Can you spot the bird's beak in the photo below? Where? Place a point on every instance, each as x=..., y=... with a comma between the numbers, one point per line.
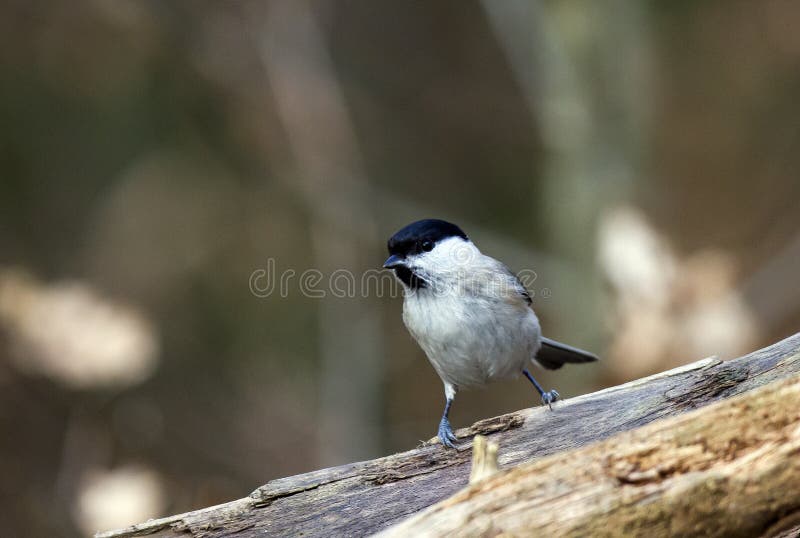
x=393, y=261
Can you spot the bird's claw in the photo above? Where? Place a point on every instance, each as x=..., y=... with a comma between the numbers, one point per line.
x=549, y=397
x=446, y=435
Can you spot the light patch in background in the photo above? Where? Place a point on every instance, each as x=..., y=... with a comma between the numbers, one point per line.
x=118, y=498
x=668, y=309
x=70, y=333
x=635, y=258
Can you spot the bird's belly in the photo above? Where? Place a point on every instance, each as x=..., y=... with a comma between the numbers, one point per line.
x=470, y=343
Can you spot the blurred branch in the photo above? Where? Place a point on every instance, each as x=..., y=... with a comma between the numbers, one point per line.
x=366, y=497
x=312, y=109
x=582, y=72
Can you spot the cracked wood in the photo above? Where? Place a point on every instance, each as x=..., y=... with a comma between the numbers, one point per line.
x=727, y=470
x=366, y=497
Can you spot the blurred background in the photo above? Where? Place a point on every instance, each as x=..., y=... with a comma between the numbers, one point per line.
x=162, y=160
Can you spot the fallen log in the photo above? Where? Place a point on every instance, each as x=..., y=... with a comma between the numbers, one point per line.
x=730, y=469
x=367, y=497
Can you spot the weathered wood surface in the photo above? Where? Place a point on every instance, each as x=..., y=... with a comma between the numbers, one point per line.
x=366, y=497
x=731, y=469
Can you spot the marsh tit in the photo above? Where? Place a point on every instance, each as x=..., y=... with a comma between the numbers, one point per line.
x=469, y=313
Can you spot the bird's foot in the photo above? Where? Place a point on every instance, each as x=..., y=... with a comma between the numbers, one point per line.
x=446, y=435
x=549, y=397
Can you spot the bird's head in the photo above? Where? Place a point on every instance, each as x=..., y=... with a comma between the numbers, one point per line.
x=427, y=250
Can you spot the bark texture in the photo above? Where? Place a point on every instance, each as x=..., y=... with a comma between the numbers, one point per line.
x=730, y=469
x=366, y=497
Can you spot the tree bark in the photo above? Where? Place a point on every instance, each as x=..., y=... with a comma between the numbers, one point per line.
x=730, y=469
x=736, y=465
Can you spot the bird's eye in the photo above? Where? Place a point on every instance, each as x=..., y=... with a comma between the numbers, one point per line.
x=427, y=246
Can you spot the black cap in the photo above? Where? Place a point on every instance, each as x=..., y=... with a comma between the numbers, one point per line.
x=410, y=239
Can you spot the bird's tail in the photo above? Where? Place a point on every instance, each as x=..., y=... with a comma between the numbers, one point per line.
x=553, y=355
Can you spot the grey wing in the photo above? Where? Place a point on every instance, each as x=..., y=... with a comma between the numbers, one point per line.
x=552, y=354
x=517, y=285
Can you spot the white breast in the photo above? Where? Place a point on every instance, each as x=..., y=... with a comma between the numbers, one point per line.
x=471, y=338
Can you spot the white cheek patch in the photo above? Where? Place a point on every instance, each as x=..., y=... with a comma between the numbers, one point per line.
x=450, y=255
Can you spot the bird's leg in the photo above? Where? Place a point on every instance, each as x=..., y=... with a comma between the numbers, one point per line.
x=547, y=397
x=446, y=435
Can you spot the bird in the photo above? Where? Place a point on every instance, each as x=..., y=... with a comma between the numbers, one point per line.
x=470, y=314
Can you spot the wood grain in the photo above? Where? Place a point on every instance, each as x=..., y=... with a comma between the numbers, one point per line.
x=366, y=497
x=731, y=469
